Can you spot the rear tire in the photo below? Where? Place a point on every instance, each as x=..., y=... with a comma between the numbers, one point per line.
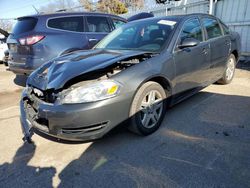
x=229, y=71
x=148, y=109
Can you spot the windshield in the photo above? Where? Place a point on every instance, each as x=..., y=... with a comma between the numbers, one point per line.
x=144, y=35
x=24, y=25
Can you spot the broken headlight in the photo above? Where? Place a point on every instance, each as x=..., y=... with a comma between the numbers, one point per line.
x=91, y=92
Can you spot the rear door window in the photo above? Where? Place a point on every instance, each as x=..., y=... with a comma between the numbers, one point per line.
x=212, y=27
x=98, y=24
x=24, y=25
x=74, y=23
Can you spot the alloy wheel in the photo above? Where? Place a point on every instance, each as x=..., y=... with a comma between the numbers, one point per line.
x=230, y=69
x=151, y=109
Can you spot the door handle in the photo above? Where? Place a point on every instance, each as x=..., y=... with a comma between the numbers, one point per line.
x=227, y=42
x=93, y=40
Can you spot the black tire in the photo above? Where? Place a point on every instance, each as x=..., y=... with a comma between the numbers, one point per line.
x=6, y=63
x=226, y=79
x=136, y=114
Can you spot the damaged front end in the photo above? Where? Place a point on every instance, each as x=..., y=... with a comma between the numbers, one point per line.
x=65, y=98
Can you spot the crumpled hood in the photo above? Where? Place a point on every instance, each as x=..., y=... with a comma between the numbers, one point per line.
x=57, y=72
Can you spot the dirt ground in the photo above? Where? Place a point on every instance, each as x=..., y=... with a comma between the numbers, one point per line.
x=203, y=142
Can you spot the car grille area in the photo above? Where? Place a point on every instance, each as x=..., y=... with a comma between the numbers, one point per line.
x=46, y=96
x=40, y=121
x=31, y=111
x=86, y=129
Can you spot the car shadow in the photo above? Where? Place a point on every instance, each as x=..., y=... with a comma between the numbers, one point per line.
x=19, y=174
x=203, y=142
x=20, y=80
x=244, y=65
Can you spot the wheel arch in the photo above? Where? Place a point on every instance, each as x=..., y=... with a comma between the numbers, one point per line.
x=236, y=54
x=160, y=79
x=164, y=82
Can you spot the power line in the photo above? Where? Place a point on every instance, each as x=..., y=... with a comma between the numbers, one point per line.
x=28, y=5
x=64, y=10
x=18, y=8
x=7, y=18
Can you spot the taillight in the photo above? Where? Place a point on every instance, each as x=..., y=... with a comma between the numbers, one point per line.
x=30, y=40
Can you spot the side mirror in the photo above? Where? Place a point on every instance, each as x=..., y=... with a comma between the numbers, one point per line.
x=188, y=42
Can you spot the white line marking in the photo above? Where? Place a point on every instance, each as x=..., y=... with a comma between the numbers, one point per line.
x=9, y=108
x=183, y=161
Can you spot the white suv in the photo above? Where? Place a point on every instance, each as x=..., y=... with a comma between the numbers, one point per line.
x=3, y=48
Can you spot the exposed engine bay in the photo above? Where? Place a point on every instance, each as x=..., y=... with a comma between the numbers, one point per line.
x=50, y=95
x=107, y=72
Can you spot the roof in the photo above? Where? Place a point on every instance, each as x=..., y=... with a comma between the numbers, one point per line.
x=179, y=17
x=70, y=13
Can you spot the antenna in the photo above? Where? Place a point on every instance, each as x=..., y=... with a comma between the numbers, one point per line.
x=36, y=9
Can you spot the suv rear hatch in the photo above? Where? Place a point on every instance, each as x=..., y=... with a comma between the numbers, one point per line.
x=17, y=40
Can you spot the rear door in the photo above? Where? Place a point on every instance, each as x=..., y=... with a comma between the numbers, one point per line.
x=97, y=27
x=220, y=46
x=192, y=64
x=65, y=34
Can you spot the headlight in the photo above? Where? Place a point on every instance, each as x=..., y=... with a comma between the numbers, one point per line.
x=91, y=92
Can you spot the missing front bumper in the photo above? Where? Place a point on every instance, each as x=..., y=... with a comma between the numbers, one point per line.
x=78, y=122
x=26, y=125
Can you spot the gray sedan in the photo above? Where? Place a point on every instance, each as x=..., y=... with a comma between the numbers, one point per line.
x=131, y=76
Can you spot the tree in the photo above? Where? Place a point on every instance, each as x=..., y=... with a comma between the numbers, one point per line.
x=112, y=6
x=107, y=6
x=57, y=6
x=134, y=3
x=6, y=25
x=87, y=5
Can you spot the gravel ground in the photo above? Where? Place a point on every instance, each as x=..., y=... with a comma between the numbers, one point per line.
x=203, y=142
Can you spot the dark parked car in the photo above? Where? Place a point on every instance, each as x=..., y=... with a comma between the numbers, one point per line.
x=6, y=57
x=37, y=39
x=139, y=16
x=132, y=74
x=3, y=46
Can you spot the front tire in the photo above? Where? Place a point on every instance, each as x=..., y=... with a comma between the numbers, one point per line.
x=148, y=108
x=229, y=71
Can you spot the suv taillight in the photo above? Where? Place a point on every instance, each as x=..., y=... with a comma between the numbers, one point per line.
x=30, y=40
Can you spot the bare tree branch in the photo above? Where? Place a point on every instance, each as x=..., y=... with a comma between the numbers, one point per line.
x=6, y=25
x=57, y=6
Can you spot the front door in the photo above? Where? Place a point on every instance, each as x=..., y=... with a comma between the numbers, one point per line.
x=193, y=63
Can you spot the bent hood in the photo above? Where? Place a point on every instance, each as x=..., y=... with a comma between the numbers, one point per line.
x=55, y=74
